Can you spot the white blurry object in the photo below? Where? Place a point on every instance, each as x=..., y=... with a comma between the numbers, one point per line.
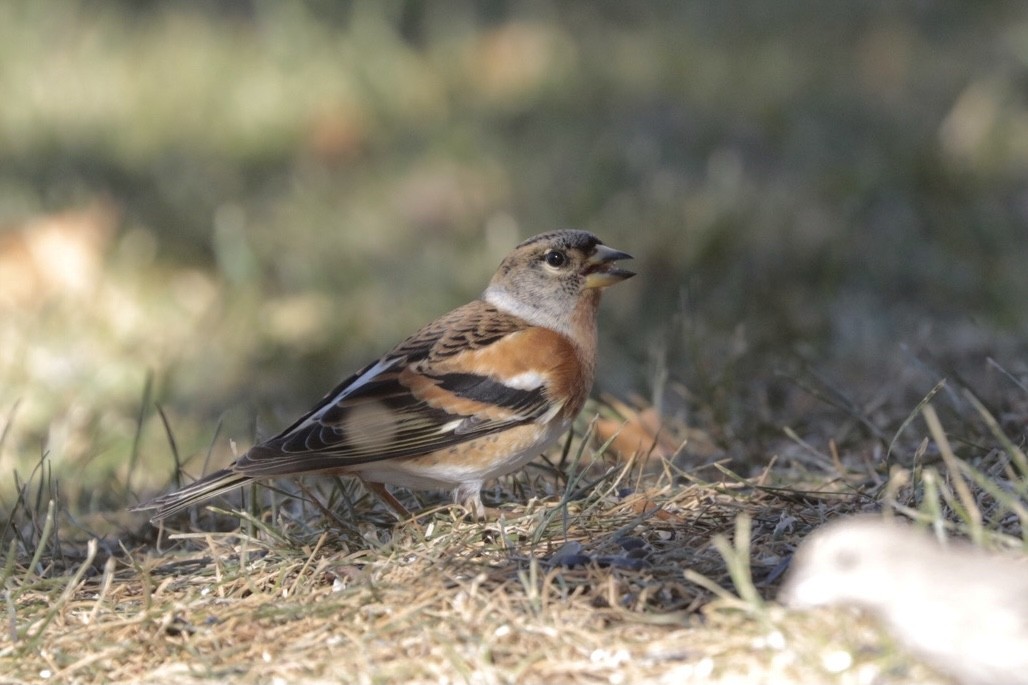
x=961, y=609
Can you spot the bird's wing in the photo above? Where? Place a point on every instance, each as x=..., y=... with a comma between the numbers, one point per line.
x=474, y=372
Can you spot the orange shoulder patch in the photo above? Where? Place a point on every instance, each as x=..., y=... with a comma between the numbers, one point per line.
x=526, y=359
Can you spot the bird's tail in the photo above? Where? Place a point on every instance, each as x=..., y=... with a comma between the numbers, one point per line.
x=209, y=486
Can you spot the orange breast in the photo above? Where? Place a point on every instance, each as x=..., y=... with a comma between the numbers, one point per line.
x=531, y=351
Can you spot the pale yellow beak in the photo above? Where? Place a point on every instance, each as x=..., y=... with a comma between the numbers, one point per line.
x=601, y=270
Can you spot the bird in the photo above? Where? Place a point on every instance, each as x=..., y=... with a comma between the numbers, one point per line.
x=961, y=609
x=471, y=396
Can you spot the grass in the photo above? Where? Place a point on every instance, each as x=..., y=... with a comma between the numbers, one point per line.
x=208, y=216
x=643, y=576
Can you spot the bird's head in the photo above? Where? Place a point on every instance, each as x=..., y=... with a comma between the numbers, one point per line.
x=551, y=273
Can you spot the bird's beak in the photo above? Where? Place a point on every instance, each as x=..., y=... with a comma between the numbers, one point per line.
x=601, y=271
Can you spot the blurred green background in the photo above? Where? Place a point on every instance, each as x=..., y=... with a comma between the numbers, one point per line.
x=242, y=201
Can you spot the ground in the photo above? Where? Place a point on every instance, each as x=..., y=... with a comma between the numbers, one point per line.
x=208, y=216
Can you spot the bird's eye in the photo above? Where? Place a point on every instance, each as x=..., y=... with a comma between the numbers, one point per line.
x=555, y=259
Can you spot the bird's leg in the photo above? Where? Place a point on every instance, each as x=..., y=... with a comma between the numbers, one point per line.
x=379, y=490
x=469, y=496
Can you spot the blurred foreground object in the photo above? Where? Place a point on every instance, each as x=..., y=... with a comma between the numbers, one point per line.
x=963, y=610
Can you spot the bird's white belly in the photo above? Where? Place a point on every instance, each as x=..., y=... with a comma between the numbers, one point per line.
x=475, y=461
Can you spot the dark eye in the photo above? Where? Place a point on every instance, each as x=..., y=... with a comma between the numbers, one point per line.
x=846, y=560
x=555, y=259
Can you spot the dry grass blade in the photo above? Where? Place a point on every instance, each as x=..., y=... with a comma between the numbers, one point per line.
x=307, y=564
x=12, y=616
x=1009, y=376
x=820, y=459
x=138, y=434
x=715, y=589
x=9, y=561
x=968, y=507
x=172, y=443
x=41, y=543
x=105, y=588
x=9, y=422
x=1015, y=452
x=933, y=502
x=737, y=558
x=1005, y=500
x=36, y=636
x=913, y=415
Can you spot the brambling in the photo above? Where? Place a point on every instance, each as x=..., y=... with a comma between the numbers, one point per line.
x=473, y=395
